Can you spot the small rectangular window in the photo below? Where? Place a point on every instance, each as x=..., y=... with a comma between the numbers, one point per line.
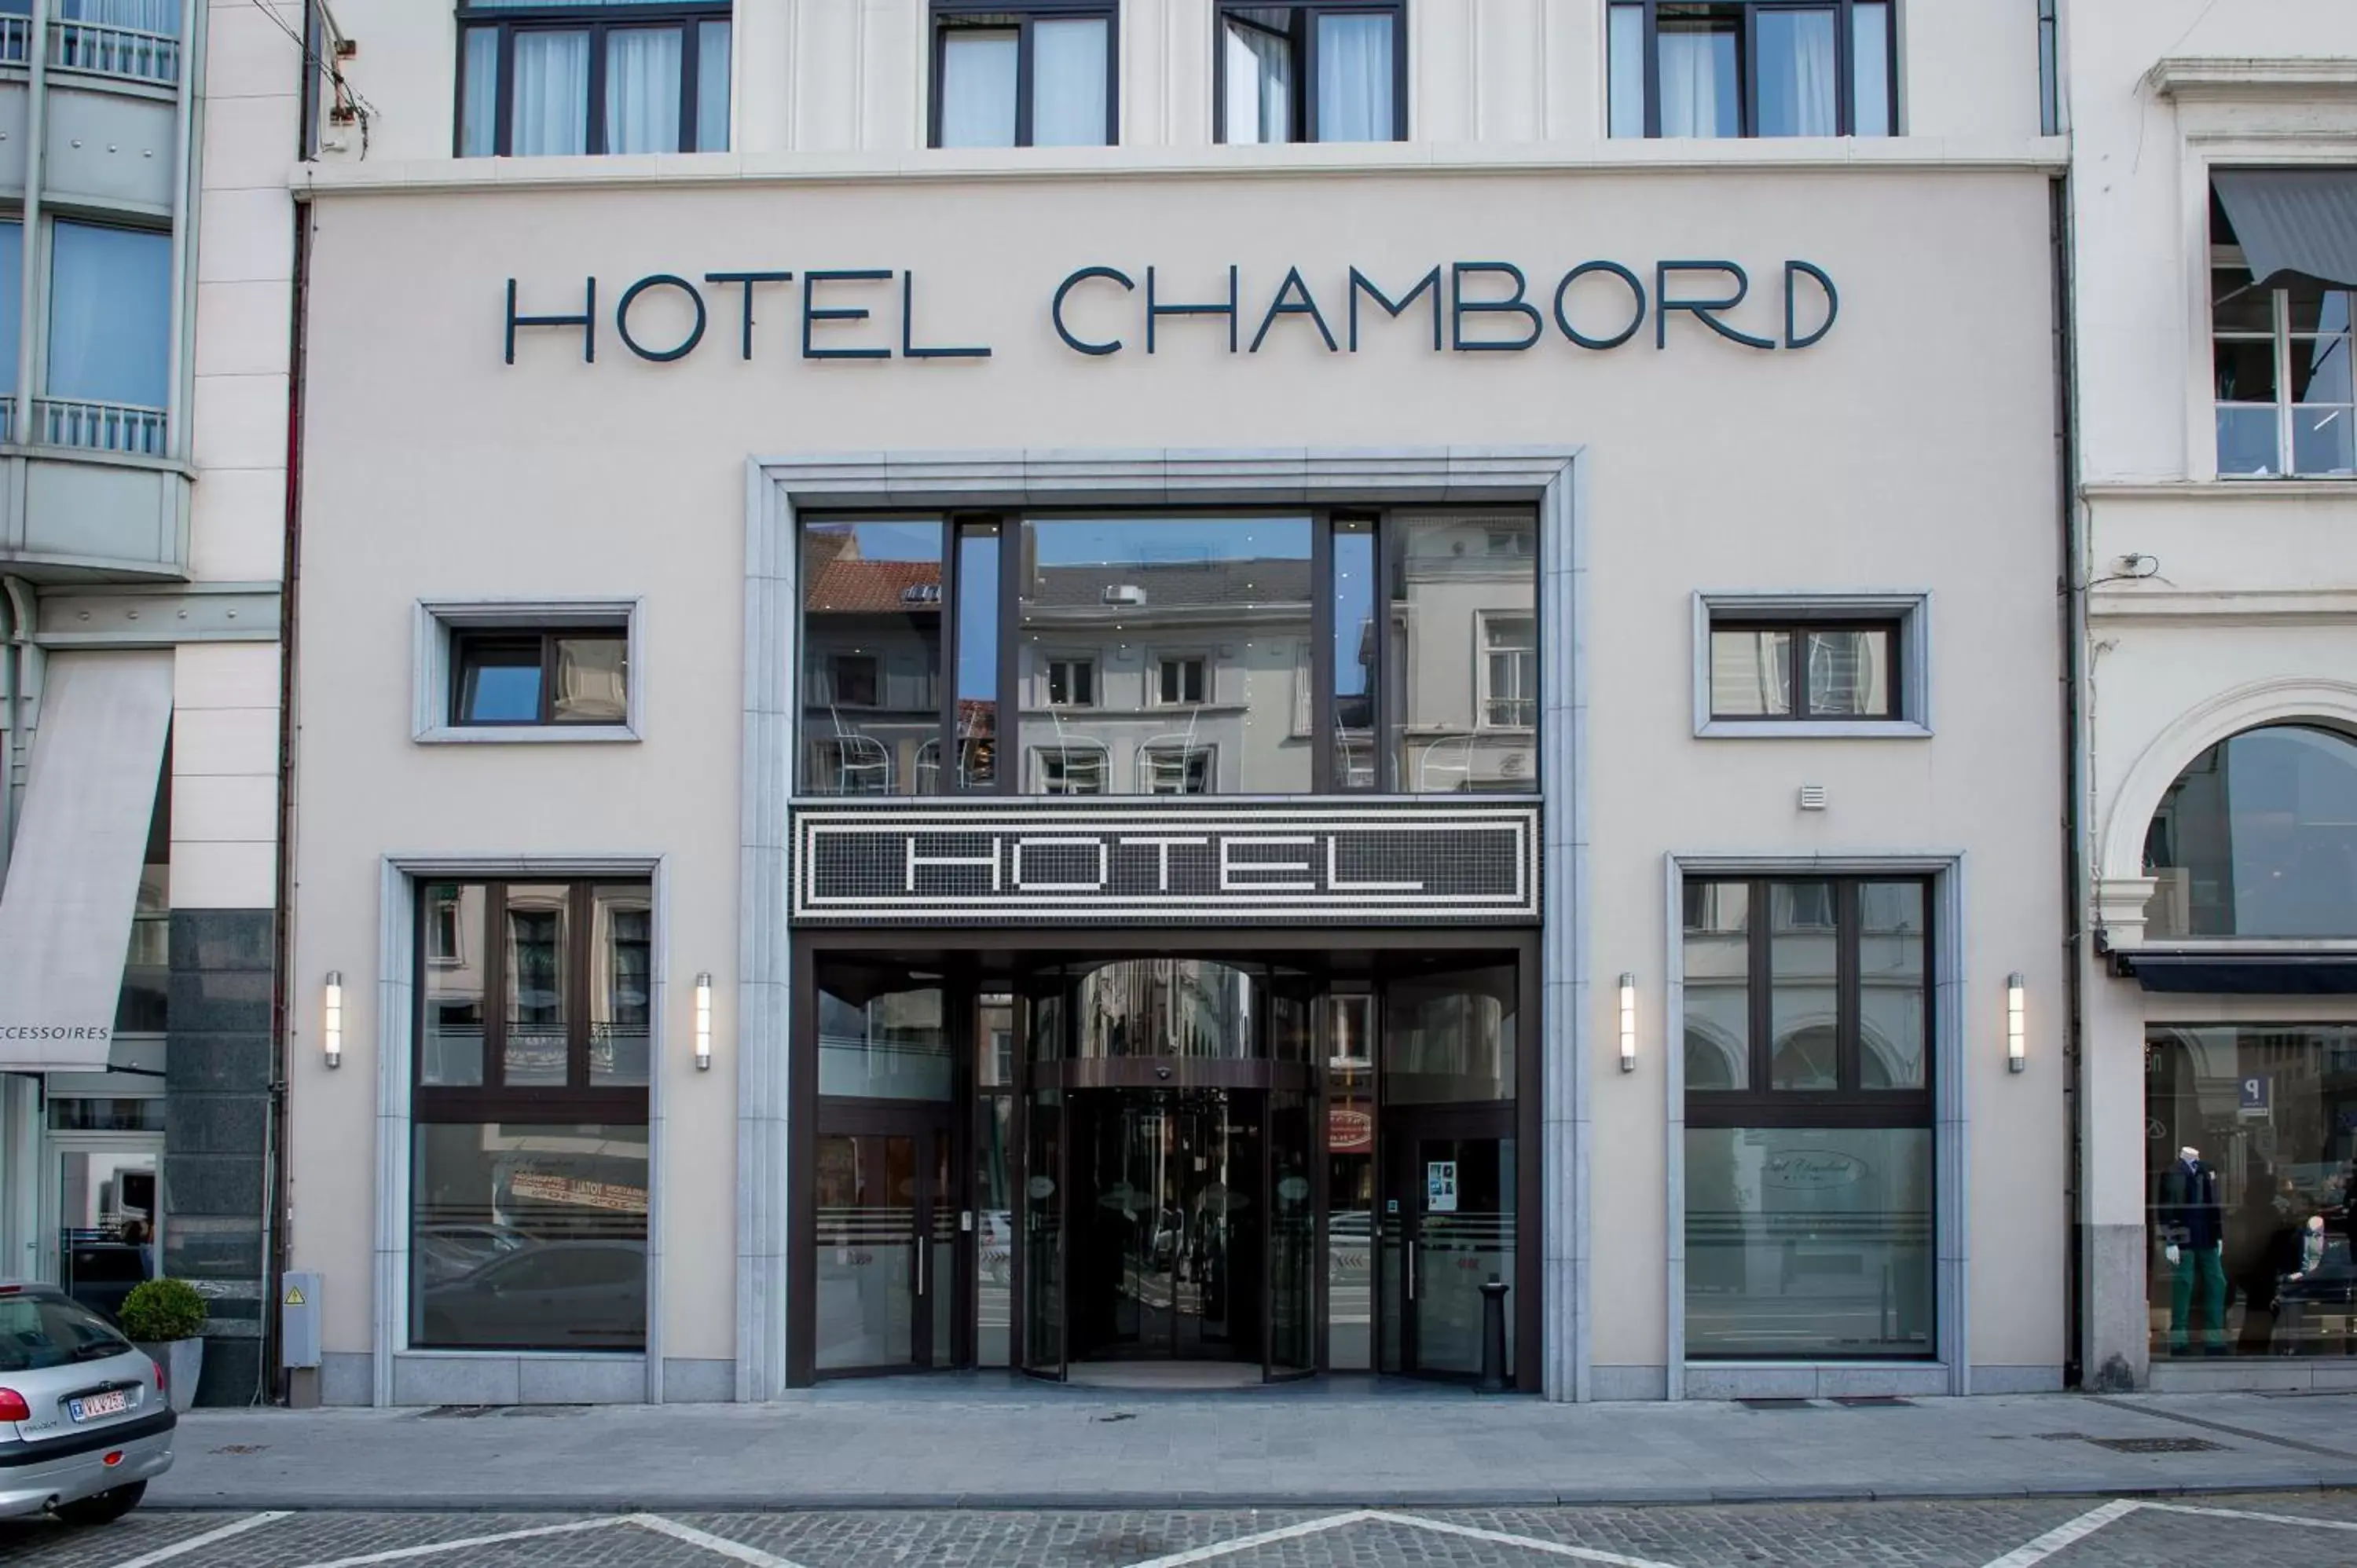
x=1750, y=67
x=554, y=78
x=110, y=337
x=1175, y=769
x=1022, y=76
x=1071, y=683
x=2285, y=394
x=1178, y=682
x=1327, y=70
x=570, y=676
x=1069, y=771
x=1834, y=670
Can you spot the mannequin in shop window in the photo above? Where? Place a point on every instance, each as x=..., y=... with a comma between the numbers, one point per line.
x=2192, y=1233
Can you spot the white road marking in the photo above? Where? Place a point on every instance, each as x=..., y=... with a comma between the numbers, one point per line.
x=2246, y=1513
x=1527, y=1542
x=1246, y=1543
x=2063, y=1535
x=179, y=1547
x=710, y=1542
x=435, y=1548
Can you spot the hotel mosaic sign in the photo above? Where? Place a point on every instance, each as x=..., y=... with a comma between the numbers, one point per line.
x=1097, y=311
x=1173, y=862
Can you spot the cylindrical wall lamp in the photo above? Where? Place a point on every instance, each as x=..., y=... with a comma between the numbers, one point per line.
x=703, y=1022
x=2016, y=1046
x=1627, y=1023
x=331, y=1018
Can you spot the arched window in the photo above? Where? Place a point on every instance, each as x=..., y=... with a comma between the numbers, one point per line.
x=2258, y=838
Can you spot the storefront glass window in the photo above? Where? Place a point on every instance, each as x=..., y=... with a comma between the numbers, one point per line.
x=1810, y=1220
x=2258, y=838
x=2251, y=1184
x=529, y=1236
x=1156, y=1007
x=871, y=641
x=1450, y=1038
x=1464, y=694
x=875, y=1043
x=1193, y=629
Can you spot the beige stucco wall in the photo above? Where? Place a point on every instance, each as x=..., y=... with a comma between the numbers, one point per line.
x=1912, y=448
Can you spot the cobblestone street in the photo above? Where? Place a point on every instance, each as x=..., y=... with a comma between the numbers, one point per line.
x=2295, y=1529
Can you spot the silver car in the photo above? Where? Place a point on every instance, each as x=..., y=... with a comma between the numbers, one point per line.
x=84, y=1420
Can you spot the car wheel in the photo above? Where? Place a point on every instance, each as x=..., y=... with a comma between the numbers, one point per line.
x=105, y=1508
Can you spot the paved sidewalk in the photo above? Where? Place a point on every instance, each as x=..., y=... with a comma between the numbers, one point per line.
x=988, y=1442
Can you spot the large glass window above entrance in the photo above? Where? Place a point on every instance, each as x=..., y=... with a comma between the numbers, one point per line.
x=2258, y=838
x=1277, y=652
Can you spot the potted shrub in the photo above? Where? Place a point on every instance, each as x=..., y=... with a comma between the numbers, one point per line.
x=165, y=1318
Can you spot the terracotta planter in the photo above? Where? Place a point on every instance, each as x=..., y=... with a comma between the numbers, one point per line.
x=183, y=1361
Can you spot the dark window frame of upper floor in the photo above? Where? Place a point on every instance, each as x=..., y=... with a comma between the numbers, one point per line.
x=1746, y=56
x=1302, y=33
x=1799, y=628
x=468, y=646
x=2285, y=335
x=506, y=21
x=947, y=17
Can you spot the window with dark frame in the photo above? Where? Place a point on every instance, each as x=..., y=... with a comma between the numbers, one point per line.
x=529, y=1111
x=1809, y=1052
x=592, y=77
x=1752, y=68
x=2283, y=382
x=1075, y=624
x=1816, y=669
x=1322, y=70
x=568, y=675
x=1042, y=74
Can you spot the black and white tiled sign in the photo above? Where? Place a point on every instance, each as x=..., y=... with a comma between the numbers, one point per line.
x=1176, y=860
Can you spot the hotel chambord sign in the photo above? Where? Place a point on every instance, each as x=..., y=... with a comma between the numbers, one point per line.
x=1096, y=311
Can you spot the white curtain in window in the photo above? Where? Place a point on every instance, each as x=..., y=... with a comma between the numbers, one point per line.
x=1068, y=83
x=1796, y=73
x=1354, y=79
x=1260, y=85
x=643, y=76
x=1628, y=70
x=978, y=87
x=144, y=16
x=712, y=87
x=552, y=93
x=110, y=313
x=1698, y=84
x=479, y=115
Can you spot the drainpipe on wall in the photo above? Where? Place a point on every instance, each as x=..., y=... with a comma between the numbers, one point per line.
x=20, y=680
x=2075, y=895
x=34, y=250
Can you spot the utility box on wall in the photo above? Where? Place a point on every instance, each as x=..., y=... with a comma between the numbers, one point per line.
x=299, y=1337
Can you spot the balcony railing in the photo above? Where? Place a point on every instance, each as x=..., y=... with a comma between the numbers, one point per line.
x=15, y=40
x=100, y=426
x=125, y=52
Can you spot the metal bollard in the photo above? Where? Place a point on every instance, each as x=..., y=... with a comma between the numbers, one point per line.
x=1493, y=1337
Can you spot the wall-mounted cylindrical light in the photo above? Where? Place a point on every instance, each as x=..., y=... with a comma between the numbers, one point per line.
x=331, y=1018
x=703, y=1022
x=1627, y=1023
x=2016, y=1044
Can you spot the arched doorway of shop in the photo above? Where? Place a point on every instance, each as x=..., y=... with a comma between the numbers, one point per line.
x=1254, y=1158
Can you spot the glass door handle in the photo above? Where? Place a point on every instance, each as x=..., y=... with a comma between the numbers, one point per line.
x=919, y=1242
x=1407, y=1251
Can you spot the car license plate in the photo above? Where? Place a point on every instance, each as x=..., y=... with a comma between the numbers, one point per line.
x=91, y=1406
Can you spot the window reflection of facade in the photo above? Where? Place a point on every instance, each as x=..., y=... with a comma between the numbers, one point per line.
x=2258, y=838
x=871, y=654
x=1463, y=596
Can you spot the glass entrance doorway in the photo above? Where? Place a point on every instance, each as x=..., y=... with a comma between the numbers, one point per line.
x=1169, y=1221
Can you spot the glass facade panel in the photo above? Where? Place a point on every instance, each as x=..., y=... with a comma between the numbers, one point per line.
x=529, y=1236
x=1464, y=1239
x=1259, y=64
x=551, y=116
x=2258, y=838
x=1700, y=85
x=871, y=654
x=12, y=287
x=110, y=315
x=866, y=1198
x=451, y=1047
x=643, y=81
x=1870, y=69
x=1164, y=1007
x=479, y=106
x=712, y=87
x=879, y=1042
x=1809, y=1242
x=977, y=656
x=1892, y=1000
x=537, y=986
x=621, y=983
x=1804, y=987
x=1214, y=712
x=1450, y=1038
x=1797, y=74
x=1453, y=574
x=1848, y=673
x=591, y=677
x=1356, y=656
x=1717, y=985
x=1750, y=673
x=1626, y=47
x=2251, y=1171
x=1068, y=83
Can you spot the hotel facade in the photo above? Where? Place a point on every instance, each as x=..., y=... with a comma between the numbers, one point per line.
x=1173, y=690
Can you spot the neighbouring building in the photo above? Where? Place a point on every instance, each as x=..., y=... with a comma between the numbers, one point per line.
x=146, y=268
x=2214, y=260
x=1143, y=690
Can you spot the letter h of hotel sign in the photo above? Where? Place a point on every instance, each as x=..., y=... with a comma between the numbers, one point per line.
x=1174, y=862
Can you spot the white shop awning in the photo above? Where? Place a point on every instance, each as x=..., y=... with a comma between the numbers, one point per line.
x=73, y=871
